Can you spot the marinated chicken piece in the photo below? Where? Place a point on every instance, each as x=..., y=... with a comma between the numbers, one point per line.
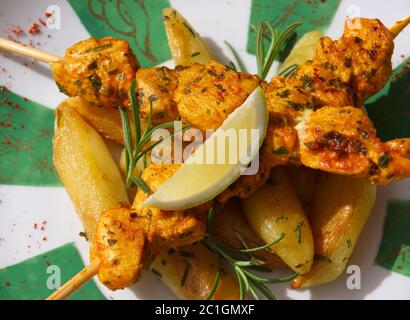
x=360, y=59
x=119, y=243
x=207, y=94
x=98, y=70
x=343, y=141
x=127, y=240
x=157, y=86
x=169, y=228
x=344, y=72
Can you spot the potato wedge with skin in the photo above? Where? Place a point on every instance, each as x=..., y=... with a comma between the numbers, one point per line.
x=192, y=278
x=185, y=43
x=274, y=209
x=86, y=167
x=303, y=50
x=230, y=227
x=105, y=120
x=340, y=209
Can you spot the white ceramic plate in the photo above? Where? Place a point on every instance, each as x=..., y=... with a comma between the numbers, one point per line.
x=22, y=206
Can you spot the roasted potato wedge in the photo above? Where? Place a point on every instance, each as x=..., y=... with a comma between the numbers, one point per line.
x=185, y=43
x=86, y=167
x=192, y=277
x=303, y=50
x=230, y=227
x=340, y=209
x=274, y=210
x=106, y=121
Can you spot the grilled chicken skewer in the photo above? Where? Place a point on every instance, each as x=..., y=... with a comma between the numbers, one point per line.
x=397, y=148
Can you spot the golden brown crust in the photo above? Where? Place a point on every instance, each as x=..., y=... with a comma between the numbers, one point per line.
x=119, y=244
x=207, y=94
x=98, y=70
x=158, y=85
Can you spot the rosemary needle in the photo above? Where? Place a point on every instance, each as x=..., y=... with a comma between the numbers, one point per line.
x=136, y=150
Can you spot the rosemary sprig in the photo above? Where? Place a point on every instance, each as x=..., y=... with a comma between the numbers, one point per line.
x=289, y=71
x=241, y=260
x=236, y=60
x=138, y=149
x=249, y=282
x=277, y=40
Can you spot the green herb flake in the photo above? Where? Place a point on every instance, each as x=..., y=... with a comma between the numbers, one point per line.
x=190, y=29
x=185, y=274
x=195, y=54
x=95, y=82
x=295, y=105
x=111, y=242
x=156, y=272
x=83, y=235
x=188, y=254
x=384, y=160
x=348, y=62
x=319, y=257
x=61, y=88
x=141, y=184
x=307, y=82
x=298, y=230
x=329, y=66
x=284, y=93
x=280, y=151
x=279, y=218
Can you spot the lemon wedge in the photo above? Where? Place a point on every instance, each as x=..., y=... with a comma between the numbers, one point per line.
x=219, y=161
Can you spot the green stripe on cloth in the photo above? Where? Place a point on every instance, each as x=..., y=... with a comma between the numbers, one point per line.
x=394, y=251
x=138, y=22
x=390, y=108
x=26, y=130
x=28, y=280
x=312, y=15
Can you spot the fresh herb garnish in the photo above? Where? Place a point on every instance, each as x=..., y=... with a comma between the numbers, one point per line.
x=298, y=230
x=236, y=60
x=95, y=82
x=156, y=272
x=289, y=71
x=188, y=254
x=141, y=184
x=135, y=149
x=61, y=88
x=217, y=278
x=384, y=160
x=277, y=40
x=248, y=280
x=284, y=93
x=211, y=219
x=319, y=257
x=189, y=29
x=280, y=151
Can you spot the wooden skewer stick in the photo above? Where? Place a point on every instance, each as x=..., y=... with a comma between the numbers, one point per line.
x=15, y=47
x=76, y=282
x=27, y=51
x=399, y=26
x=91, y=270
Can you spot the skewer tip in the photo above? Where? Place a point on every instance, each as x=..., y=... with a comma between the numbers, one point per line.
x=399, y=26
